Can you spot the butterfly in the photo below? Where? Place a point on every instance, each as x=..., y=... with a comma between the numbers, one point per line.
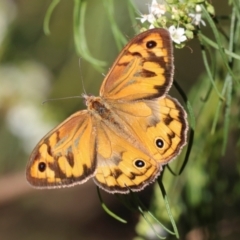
x=126, y=135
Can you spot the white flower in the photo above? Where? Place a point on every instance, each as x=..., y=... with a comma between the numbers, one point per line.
x=198, y=8
x=177, y=34
x=147, y=17
x=151, y=26
x=157, y=9
x=197, y=16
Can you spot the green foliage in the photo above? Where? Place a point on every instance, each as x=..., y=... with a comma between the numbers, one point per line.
x=35, y=67
x=213, y=98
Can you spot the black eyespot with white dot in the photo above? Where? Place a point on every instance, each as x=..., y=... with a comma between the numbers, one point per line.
x=151, y=44
x=139, y=163
x=42, y=166
x=159, y=143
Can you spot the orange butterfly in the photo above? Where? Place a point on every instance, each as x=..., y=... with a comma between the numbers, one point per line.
x=127, y=133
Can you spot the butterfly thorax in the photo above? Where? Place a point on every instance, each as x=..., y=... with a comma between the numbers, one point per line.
x=99, y=108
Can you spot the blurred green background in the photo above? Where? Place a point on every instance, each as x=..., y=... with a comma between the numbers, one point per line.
x=34, y=68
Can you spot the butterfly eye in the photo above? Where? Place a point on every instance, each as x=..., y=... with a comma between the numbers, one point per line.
x=151, y=44
x=139, y=163
x=42, y=166
x=159, y=143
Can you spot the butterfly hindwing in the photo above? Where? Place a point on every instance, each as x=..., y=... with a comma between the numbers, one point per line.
x=124, y=165
x=159, y=124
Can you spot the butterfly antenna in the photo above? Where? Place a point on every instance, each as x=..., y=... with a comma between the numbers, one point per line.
x=57, y=99
x=83, y=87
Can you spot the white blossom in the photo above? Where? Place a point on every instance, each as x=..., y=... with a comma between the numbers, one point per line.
x=177, y=34
x=157, y=9
x=147, y=17
x=197, y=16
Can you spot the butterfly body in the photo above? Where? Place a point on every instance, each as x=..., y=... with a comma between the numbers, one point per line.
x=127, y=133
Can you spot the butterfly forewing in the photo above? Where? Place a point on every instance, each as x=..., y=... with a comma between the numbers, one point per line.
x=144, y=69
x=65, y=156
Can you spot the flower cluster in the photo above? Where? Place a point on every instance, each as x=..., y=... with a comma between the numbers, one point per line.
x=181, y=18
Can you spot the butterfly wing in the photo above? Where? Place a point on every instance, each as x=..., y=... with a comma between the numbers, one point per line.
x=159, y=124
x=144, y=68
x=66, y=155
x=122, y=165
x=145, y=135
